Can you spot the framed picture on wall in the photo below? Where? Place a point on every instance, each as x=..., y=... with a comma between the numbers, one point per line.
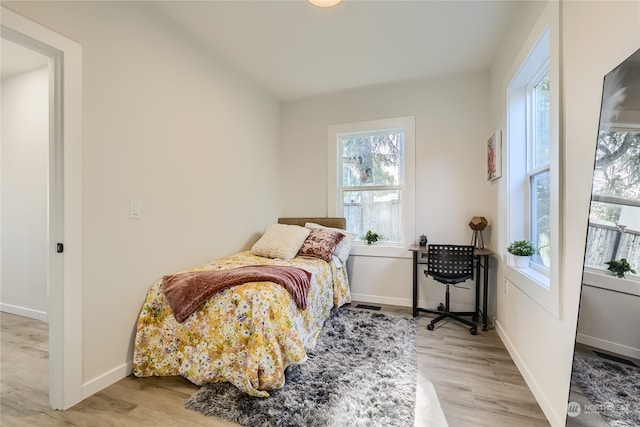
x=494, y=156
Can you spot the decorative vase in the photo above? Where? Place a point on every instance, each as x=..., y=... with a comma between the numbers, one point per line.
x=521, y=261
x=423, y=240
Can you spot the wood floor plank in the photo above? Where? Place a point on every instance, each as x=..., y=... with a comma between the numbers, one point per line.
x=159, y=398
x=476, y=382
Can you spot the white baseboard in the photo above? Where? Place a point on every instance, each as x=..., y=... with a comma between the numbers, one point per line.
x=24, y=312
x=105, y=380
x=406, y=302
x=613, y=347
x=554, y=418
x=402, y=302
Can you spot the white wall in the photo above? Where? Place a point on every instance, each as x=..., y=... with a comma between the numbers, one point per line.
x=609, y=320
x=169, y=125
x=541, y=344
x=451, y=115
x=25, y=166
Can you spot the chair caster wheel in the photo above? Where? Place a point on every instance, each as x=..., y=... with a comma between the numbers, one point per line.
x=441, y=307
x=473, y=331
x=430, y=327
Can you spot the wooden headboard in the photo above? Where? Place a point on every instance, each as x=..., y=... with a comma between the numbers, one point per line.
x=334, y=222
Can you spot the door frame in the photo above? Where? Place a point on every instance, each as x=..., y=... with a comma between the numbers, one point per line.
x=64, y=270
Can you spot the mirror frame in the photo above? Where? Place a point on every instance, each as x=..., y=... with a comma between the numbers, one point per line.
x=581, y=410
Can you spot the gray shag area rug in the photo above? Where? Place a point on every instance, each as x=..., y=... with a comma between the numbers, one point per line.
x=362, y=372
x=612, y=388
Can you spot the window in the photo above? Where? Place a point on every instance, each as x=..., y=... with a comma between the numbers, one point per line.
x=614, y=219
x=371, y=180
x=533, y=165
x=538, y=165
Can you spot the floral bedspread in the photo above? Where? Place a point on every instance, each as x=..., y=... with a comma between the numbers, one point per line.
x=246, y=335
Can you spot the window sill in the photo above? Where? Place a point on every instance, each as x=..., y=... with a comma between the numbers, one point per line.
x=536, y=286
x=380, y=250
x=599, y=279
x=529, y=274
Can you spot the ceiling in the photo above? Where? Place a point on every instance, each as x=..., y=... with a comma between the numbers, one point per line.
x=295, y=50
x=621, y=95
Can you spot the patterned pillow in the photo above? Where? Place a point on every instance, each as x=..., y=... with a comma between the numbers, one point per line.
x=320, y=243
x=343, y=248
x=280, y=241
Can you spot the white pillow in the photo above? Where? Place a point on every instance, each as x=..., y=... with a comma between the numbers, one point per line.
x=280, y=241
x=343, y=247
x=336, y=261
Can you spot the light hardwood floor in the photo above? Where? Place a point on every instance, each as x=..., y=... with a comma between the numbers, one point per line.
x=476, y=382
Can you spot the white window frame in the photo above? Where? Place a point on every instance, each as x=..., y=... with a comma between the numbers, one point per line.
x=543, y=44
x=532, y=170
x=334, y=193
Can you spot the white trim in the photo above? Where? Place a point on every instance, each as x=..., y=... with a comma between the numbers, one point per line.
x=401, y=302
x=379, y=250
x=535, y=285
x=105, y=380
x=554, y=418
x=334, y=202
x=613, y=347
x=615, y=200
x=545, y=292
x=65, y=220
x=24, y=312
x=628, y=285
x=408, y=302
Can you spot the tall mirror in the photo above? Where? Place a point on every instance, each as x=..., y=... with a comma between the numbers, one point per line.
x=605, y=380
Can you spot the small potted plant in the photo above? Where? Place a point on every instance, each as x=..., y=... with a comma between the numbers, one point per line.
x=371, y=237
x=522, y=251
x=620, y=267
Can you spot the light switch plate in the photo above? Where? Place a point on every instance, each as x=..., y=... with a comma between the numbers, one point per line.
x=135, y=209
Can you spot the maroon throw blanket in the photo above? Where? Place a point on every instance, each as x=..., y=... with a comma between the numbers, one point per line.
x=186, y=291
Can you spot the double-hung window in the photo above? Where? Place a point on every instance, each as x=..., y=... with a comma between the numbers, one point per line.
x=533, y=162
x=371, y=168
x=539, y=165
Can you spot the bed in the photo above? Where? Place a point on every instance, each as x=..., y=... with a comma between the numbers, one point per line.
x=250, y=333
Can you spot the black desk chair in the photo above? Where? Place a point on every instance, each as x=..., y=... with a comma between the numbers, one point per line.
x=451, y=264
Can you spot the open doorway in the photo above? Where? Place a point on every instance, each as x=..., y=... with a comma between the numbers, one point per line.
x=24, y=181
x=24, y=207
x=63, y=204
